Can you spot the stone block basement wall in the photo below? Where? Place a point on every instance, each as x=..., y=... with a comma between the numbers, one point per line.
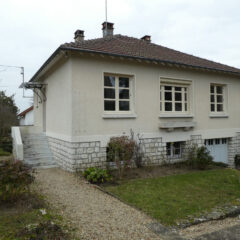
x=77, y=156
x=233, y=149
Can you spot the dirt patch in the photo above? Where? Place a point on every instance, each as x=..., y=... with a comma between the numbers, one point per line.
x=157, y=171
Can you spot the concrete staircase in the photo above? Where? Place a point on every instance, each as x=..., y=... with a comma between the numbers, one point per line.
x=36, y=151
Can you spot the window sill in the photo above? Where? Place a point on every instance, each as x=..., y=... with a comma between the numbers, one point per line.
x=218, y=115
x=116, y=115
x=176, y=115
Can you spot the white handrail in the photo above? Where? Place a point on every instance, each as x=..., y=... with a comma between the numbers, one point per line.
x=17, y=143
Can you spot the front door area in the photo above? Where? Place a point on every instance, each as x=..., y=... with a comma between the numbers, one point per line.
x=218, y=149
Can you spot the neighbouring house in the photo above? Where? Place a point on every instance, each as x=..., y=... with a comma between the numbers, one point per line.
x=26, y=117
x=90, y=90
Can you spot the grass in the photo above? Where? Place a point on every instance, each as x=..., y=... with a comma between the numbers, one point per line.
x=174, y=198
x=24, y=220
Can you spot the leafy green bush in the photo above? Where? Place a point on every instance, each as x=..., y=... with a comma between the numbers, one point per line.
x=237, y=161
x=121, y=150
x=97, y=175
x=4, y=153
x=199, y=157
x=15, y=179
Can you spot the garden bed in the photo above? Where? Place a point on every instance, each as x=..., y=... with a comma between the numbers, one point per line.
x=175, y=199
x=30, y=218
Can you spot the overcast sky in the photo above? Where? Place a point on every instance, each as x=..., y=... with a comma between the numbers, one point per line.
x=30, y=30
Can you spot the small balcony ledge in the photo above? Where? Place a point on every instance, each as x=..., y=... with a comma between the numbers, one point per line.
x=170, y=126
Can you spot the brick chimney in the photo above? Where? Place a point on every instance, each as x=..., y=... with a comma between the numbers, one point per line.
x=146, y=38
x=107, y=28
x=79, y=36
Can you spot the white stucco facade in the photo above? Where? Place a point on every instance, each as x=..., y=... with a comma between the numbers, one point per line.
x=74, y=108
x=27, y=119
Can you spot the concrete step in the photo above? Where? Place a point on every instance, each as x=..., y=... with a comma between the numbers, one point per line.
x=37, y=152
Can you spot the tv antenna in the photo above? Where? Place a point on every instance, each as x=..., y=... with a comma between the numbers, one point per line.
x=22, y=73
x=106, y=10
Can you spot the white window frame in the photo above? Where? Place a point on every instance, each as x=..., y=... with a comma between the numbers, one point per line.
x=172, y=150
x=176, y=83
x=215, y=102
x=117, y=113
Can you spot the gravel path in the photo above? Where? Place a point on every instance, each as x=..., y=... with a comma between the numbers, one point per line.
x=94, y=214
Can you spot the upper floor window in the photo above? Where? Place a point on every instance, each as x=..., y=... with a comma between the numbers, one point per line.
x=117, y=93
x=174, y=98
x=217, y=98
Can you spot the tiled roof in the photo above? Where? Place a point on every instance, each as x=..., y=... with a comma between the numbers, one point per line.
x=120, y=45
x=25, y=111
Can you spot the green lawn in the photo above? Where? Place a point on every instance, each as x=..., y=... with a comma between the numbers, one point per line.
x=173, y=198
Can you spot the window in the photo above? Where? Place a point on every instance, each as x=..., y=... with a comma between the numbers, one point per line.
x=217, y=98
x=174, y=149
x=174, y=99
x=117, y=93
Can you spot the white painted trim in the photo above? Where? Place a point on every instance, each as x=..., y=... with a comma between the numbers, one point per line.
x=132, y=90
x=188, y=83
x=220, y=115
x=116, y=116
x=176, y=135
x=162, y=115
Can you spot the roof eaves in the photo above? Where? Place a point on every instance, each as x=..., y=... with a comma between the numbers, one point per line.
x=45, y=64
x=148, y=59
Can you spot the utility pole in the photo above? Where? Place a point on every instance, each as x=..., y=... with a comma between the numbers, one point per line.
x=22, y=73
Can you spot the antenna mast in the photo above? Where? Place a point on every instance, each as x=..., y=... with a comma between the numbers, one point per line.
x=106, y=9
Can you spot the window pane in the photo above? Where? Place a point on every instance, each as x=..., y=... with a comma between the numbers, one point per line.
x=168, y=106
x=123, y=93
x=109, y=93
x=212, y=89
x=178, y=106
x=168, y=96
x=168, y=149
x=219, y=89
x=219, y=98
x=212, y=108
x=109, y=81
x=212, y=98
x=178, y=89
x=217, y=141
x=169, y=88
x=185, y=96
x=109, y=105
x=160, y=106
x=219, y=107
x=124, y=105
x=124, y=82
x=186, y=107
x=178, y=96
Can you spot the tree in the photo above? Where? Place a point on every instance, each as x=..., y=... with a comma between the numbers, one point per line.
x=8, y=114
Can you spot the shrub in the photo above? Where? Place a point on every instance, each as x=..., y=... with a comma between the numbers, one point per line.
x=4, y=153
x=15, y=179
x=120, y=151
x=199, y=157
x=237, y=161
x=137, y=153
x=97, y=175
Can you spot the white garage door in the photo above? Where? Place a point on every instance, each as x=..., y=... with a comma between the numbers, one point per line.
x=218, y=148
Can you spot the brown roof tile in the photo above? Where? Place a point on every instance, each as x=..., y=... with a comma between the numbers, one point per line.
x=137, y=48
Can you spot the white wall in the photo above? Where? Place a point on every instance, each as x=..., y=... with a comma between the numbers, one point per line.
x=74, y=106
x=88, y=99
x=28, y=119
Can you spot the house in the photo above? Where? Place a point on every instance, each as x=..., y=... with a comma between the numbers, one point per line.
x=90, y=90
x=26, y=117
